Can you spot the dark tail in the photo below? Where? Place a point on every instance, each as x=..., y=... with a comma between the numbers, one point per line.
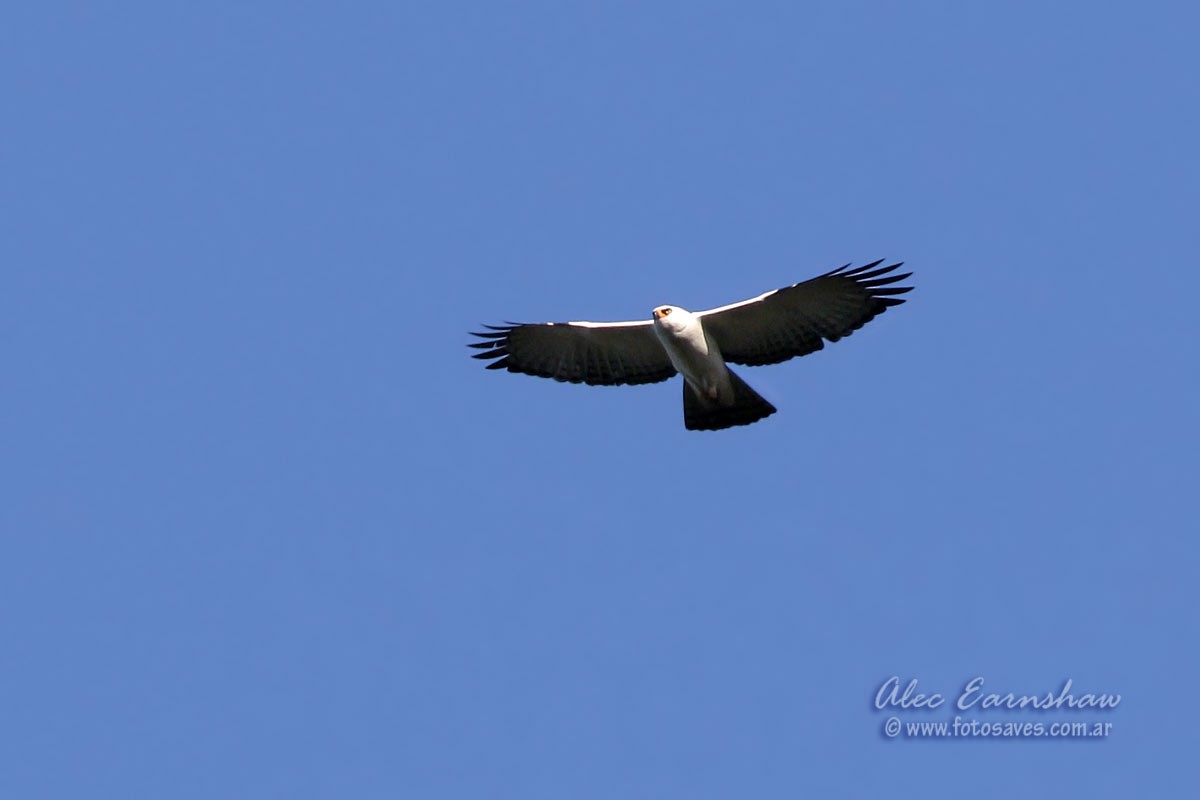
x=701, y=414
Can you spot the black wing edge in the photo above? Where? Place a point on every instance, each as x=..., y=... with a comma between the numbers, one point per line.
x=495, y=344
x=876, y=283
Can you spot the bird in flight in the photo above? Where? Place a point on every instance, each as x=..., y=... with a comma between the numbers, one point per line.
x=773, y=327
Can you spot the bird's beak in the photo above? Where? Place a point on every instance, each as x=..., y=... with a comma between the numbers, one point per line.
x=657, y=314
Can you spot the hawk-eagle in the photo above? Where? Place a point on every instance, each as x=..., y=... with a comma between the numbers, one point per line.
x=773, y=327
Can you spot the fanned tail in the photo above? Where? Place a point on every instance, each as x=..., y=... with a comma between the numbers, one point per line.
x=701, y=414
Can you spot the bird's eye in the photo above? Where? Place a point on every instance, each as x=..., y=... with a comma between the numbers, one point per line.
x=666, y=311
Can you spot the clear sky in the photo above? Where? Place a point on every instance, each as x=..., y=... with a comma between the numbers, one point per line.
x=267, y=531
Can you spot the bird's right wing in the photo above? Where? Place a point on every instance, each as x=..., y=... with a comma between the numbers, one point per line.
x=596, y=353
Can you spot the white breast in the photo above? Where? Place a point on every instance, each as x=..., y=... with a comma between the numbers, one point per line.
x=694, y=354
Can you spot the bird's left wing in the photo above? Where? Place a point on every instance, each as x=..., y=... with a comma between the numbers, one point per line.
x=596, y=353
x=796, y=320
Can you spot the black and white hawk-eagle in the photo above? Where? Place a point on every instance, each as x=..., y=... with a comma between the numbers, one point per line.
x=773, y=327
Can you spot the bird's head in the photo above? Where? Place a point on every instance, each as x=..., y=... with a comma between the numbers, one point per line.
x=672, y=317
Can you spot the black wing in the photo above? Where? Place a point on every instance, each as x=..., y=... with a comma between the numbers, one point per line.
x=596, y=353
x=795, y=321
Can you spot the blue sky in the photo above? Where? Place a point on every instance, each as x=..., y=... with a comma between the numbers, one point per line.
x=269, y=532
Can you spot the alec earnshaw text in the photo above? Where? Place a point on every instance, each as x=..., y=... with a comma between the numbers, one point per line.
x=893, y=695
